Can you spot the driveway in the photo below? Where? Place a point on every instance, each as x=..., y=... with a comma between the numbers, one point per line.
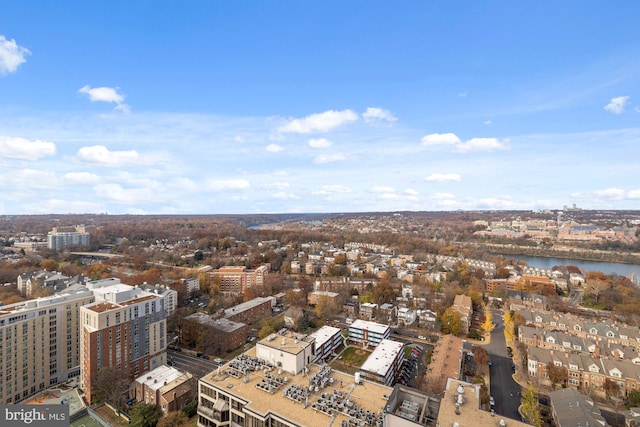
x=504, y=389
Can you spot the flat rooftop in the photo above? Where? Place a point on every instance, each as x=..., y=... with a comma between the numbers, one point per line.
x=101, y=307
x=382, y=358
x=470, y=412
x=267, y=390
x=324, y=334
x=374, y=327
x=288, y=342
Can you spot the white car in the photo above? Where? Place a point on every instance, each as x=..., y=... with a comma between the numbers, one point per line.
x=492, y=400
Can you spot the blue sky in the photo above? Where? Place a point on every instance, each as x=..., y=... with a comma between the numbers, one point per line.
x=206, y=107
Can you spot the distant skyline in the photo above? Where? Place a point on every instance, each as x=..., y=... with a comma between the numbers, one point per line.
x=244, y=107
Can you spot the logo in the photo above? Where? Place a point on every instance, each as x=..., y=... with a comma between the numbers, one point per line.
x=34, y=415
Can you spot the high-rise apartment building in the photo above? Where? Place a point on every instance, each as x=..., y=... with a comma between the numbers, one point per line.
x=60, y=238
x=40, y=343
x=236, y=279
x=125, y=329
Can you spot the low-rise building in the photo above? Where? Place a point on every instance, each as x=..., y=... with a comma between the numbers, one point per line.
x=314, y=297
x=165, y=387
x=569, y=408
x=463, y=305
x=446, y=362
x=328, y=339
x=213, y=335
x=251, y=311
x=368, y=333
x=368, y=310
x=384, y=363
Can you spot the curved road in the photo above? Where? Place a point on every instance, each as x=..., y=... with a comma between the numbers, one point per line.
x=504, y=389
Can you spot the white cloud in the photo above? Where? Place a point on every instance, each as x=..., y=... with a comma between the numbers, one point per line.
x=11, y=55
x=283, y=195
x=274, y=148
x=81, y=178
x=616, y=106
x=106, y=94
x=495, y=203
x=320, y=143
x=610, y=193
x=327, y=158
x=481, y=144
x=20, y=148
x=411, y=192
x=99, y=154
x=444, y=177
x=607, y=193
x=131, y=196
x=487, y=122
x=442, y=196
x=227, y=184
x=637, y=109
x=277, y=185
x=462, y=94
x=633, y=194
x=35, y=178
x=281, y=173
x=436, y=139
x=328, y=190
x=380, y=189
x=320, y=122
x=374, y=114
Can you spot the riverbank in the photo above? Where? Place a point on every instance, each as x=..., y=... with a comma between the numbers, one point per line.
x=578, y=254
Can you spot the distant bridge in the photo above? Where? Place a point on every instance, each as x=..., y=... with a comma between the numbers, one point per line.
x=97, y=255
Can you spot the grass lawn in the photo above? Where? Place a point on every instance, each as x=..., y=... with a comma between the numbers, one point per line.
x=351, y=359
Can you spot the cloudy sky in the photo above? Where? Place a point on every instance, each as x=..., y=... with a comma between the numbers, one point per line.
x=208, y=107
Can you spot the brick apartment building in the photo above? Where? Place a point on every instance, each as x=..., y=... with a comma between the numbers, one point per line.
x=124, y=329
x=236, y=279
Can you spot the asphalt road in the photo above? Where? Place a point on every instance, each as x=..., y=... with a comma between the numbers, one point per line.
x=503, y=388
x=196, y=366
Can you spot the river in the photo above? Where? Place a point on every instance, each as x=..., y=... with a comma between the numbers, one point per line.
x=628, y=270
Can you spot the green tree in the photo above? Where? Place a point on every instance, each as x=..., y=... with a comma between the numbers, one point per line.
x=529, y=407
x=633, y=399
x=190, y=408
x=144, y=415
x=451, y=322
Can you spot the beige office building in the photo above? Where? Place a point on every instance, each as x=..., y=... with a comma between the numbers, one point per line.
x=40, y=343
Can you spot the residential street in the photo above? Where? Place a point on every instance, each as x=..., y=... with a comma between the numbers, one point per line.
x=504, y=389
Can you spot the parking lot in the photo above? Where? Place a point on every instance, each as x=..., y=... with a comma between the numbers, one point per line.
x=196, y=366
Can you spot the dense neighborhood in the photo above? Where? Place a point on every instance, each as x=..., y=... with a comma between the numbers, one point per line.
x=207, y=318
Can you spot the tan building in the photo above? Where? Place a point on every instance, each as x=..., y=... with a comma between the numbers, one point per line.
x=446, y=362
x=460, y=406
x=315, y=296
x=273, y=384
x=236, y=279
x=166, y=387
x=464, y=306
x=39, y=343
x=124, y=329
